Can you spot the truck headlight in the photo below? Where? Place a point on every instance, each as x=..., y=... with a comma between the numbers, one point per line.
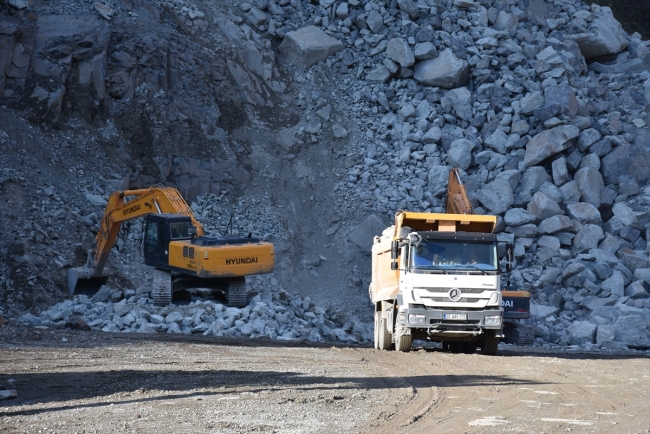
x=491, y=321
x=416, y=319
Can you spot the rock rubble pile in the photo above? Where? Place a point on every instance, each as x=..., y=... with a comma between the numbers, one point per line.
x=272, y=314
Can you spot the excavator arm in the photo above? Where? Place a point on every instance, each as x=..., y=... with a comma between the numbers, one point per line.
x=457, y=201
x=118, y=210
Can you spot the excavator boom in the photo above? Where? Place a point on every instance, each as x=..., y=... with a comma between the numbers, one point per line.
x=153, y=200
x=457, y=201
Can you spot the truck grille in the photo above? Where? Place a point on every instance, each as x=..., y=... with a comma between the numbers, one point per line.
x=188, y=252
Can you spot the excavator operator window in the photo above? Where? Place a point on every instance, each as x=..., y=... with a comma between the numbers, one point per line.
x=151, y=237
x=179, y=230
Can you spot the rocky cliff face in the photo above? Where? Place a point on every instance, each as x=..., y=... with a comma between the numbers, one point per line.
x=312, y=123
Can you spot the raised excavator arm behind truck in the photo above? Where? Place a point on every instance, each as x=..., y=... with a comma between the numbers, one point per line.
x=175, y=244
x=516, y=304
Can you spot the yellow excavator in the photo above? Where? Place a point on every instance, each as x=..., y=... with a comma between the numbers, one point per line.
x=516, y=303
x=182, y=255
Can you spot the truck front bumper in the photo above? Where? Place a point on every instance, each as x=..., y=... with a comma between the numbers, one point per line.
x=442, y=321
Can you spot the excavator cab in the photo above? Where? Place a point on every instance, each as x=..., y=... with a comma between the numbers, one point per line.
x=160, y=230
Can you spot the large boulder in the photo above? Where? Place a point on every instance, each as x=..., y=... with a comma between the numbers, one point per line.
x=632, y=330
x=549, y=142
x=364, y=233
x=584, y=213
x=587, y=238
x=496, y=196
x=307, y=46
x=543, y=207
x=582, y=332
x=460, y=153
x=605, y=36
x=632, y=160
x=590, y=183
x=446, y=71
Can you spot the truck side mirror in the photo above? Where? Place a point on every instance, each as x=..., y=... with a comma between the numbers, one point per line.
x=394, y=253
x=394, y=250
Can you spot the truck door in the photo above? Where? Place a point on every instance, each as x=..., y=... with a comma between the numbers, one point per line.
x=155, y=244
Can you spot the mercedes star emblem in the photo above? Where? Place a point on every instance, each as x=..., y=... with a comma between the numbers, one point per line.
x=455, y=294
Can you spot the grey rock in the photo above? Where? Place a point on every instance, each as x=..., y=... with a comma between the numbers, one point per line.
x=496, y=196
x=460, y=154
x=518, y=217
x=506, y=21
x=308, y=46
x=446, y=71
x=380, y=74
x=632, y=330
x=584, y=213
x=590, y=183
x=570, y=192
x=549, y=142
x=399, y=51
x=543, y=207
x=531, y=181
x=582, y=332
x=615, y=285
x=636, y=290
x=363, y=234
x=633, y=259
x=375, y=21
x=605, y=36
x=438, y=178
x=425, y=51
x=587, y=138
x=555, y=224
x=560, y=172
x=156, y=319
x=409, y=7
x=587, y=238
x=628, y=159
x=433, y=135
x=531, y=102
x=173, y=317
x=564, y=97
x=103, y=294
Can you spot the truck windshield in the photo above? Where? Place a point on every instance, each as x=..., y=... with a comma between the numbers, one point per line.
x=454, y=255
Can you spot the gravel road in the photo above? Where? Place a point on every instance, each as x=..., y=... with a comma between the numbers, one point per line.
x=92, y=382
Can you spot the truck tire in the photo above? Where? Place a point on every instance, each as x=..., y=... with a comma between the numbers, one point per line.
x=377, y=326
x=490, y=344
x=403, y=342
x=385, y=341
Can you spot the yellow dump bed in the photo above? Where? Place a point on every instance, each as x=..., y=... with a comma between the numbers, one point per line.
x=426, y=221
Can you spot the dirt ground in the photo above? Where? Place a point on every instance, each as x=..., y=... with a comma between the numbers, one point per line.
x=93, y=382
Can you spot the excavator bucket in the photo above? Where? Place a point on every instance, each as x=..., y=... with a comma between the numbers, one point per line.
x=82, y=281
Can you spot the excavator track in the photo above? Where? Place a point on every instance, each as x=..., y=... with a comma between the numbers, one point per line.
x=162, y=287
x=236, y=291
x=518, y=334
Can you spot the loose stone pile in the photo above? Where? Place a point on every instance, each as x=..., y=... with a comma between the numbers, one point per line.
x=271, y=314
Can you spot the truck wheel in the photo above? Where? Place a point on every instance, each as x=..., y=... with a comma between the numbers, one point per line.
x=377, y=326
x=403, y=343
x=385, y=341
x=490, y=344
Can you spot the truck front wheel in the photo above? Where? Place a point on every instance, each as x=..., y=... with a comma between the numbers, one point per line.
x=490, y=344
x=403, y=342
x=377, y=326
x=385, y=338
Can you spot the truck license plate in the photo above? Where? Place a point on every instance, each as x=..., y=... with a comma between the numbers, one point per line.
x=460, y=316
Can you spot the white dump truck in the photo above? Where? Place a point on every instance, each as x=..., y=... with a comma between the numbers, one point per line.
x=436, y=277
